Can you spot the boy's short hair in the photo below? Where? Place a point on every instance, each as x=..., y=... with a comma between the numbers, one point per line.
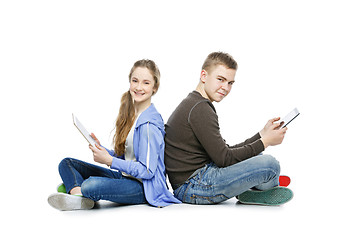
x=217, y=58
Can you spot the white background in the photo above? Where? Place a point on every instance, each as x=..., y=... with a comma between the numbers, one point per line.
x=60, y=57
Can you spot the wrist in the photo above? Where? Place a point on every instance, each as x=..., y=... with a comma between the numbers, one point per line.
x=265, y=143
x=261, y=133
x=109, y=161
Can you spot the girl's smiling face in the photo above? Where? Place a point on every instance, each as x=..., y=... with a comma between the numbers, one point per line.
x=142, y=85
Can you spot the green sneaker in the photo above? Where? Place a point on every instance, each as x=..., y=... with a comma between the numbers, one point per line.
x=272, y=197
x=61, y=188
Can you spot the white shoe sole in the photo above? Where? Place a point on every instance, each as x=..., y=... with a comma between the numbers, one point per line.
x=67, y=202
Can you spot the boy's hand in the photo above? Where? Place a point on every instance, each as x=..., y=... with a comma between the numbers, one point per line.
x=271, y=134
x=101, y=155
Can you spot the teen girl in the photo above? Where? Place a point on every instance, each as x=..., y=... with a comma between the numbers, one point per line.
x=137, y=172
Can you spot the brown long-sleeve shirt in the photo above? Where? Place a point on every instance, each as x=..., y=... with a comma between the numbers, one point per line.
x=193, y=139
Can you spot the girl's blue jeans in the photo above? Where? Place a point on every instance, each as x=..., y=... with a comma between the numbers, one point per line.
x=211, y=184
x=99, y=183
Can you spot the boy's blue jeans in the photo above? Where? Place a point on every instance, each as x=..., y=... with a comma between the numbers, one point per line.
x=211, y=184
x=99, y=183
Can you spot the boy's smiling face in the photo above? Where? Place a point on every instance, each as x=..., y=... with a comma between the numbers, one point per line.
x=217, y=82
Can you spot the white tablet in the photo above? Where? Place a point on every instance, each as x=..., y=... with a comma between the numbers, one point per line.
x=288, y=118
x=83, y=131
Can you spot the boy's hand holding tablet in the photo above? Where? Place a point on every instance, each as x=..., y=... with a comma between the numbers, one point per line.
x=274, y=131
x=288, y=118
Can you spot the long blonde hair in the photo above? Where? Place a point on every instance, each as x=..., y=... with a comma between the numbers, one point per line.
x=126, y=116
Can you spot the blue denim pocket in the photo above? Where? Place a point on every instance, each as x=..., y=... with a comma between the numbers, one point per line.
x=204, y=200
x=196, y=190
x=197, y=194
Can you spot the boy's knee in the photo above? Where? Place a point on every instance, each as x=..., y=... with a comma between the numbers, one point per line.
x=271, y=162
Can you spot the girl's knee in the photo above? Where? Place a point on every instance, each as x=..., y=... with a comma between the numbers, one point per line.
x=64, y=162
x=89, y=187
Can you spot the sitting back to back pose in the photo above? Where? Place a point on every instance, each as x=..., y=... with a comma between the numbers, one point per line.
x=202, y=168
x=138, y=174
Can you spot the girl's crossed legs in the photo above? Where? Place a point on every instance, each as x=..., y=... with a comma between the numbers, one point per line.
x=99, y=183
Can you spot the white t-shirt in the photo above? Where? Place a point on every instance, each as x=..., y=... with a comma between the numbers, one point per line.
x=129, y=148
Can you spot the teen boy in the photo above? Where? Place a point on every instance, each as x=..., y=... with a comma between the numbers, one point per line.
x=202, y=168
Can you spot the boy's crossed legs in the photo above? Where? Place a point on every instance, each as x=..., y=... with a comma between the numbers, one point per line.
x=211, y=184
